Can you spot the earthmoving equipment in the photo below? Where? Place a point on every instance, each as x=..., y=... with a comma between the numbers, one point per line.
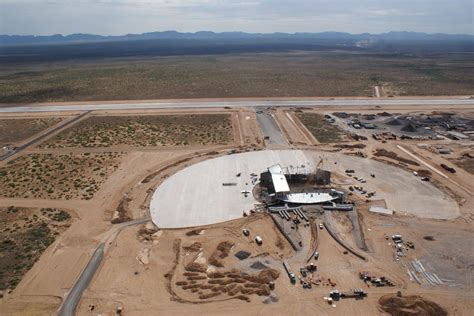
x=357, y=293
x=397, y=238
x=311, y=267
x=303, y=272
x=258, y=240
x=382, y=281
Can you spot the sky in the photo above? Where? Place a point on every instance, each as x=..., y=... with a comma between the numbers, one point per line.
x=117, y=17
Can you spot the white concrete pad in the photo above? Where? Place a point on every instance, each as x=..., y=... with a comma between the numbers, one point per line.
x=195, y=195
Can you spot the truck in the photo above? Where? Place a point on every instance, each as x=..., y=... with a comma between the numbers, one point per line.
x=356, y=293
x=447, y=168
x=290, y=273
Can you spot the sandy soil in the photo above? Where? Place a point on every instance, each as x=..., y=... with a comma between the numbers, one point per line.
x=294, y=130
x=142, y=289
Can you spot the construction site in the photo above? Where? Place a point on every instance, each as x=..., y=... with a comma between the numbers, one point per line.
x=287, y=210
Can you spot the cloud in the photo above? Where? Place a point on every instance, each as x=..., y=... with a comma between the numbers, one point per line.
x=137, y=16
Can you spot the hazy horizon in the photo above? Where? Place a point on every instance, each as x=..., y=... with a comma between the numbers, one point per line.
x=118, y=17
x=238, y=31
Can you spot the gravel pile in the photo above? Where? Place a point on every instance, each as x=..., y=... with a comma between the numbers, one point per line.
x=241, y=255
x=258, y=265
x=410, y=128
x=395, y=122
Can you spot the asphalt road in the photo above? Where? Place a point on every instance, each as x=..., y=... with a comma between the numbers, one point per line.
x=42, y=136
x=70, y=303
x=237, y=103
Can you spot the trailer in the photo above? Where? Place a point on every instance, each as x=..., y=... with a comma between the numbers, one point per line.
x=290, y=273
x=339, y=207
x=357, y=294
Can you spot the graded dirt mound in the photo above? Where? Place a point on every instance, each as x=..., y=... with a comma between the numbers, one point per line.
x=195, y=267
x=413, y=305
x=268, y=275
x=380, y=152
x=194, y=232
x=224, y=247
x=194, y=247
x=221, y=252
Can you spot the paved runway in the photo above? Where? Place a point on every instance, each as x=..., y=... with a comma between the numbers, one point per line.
x=236, y=103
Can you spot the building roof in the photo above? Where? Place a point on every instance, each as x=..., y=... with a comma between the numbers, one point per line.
x=278, y=178
x=309, y=198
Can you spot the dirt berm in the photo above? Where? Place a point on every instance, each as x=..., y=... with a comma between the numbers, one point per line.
x=413, y=305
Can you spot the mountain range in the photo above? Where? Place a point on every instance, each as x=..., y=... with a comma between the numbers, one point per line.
x=14, y=40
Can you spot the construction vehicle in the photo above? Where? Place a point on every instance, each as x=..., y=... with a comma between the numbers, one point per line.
x=357, y=294
x=290, y=273
x=382, y=281
x=397, y=238
x=447, y=168
x=246, y=232
x=303, y=272
x=258, y=240
x=311, y=267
